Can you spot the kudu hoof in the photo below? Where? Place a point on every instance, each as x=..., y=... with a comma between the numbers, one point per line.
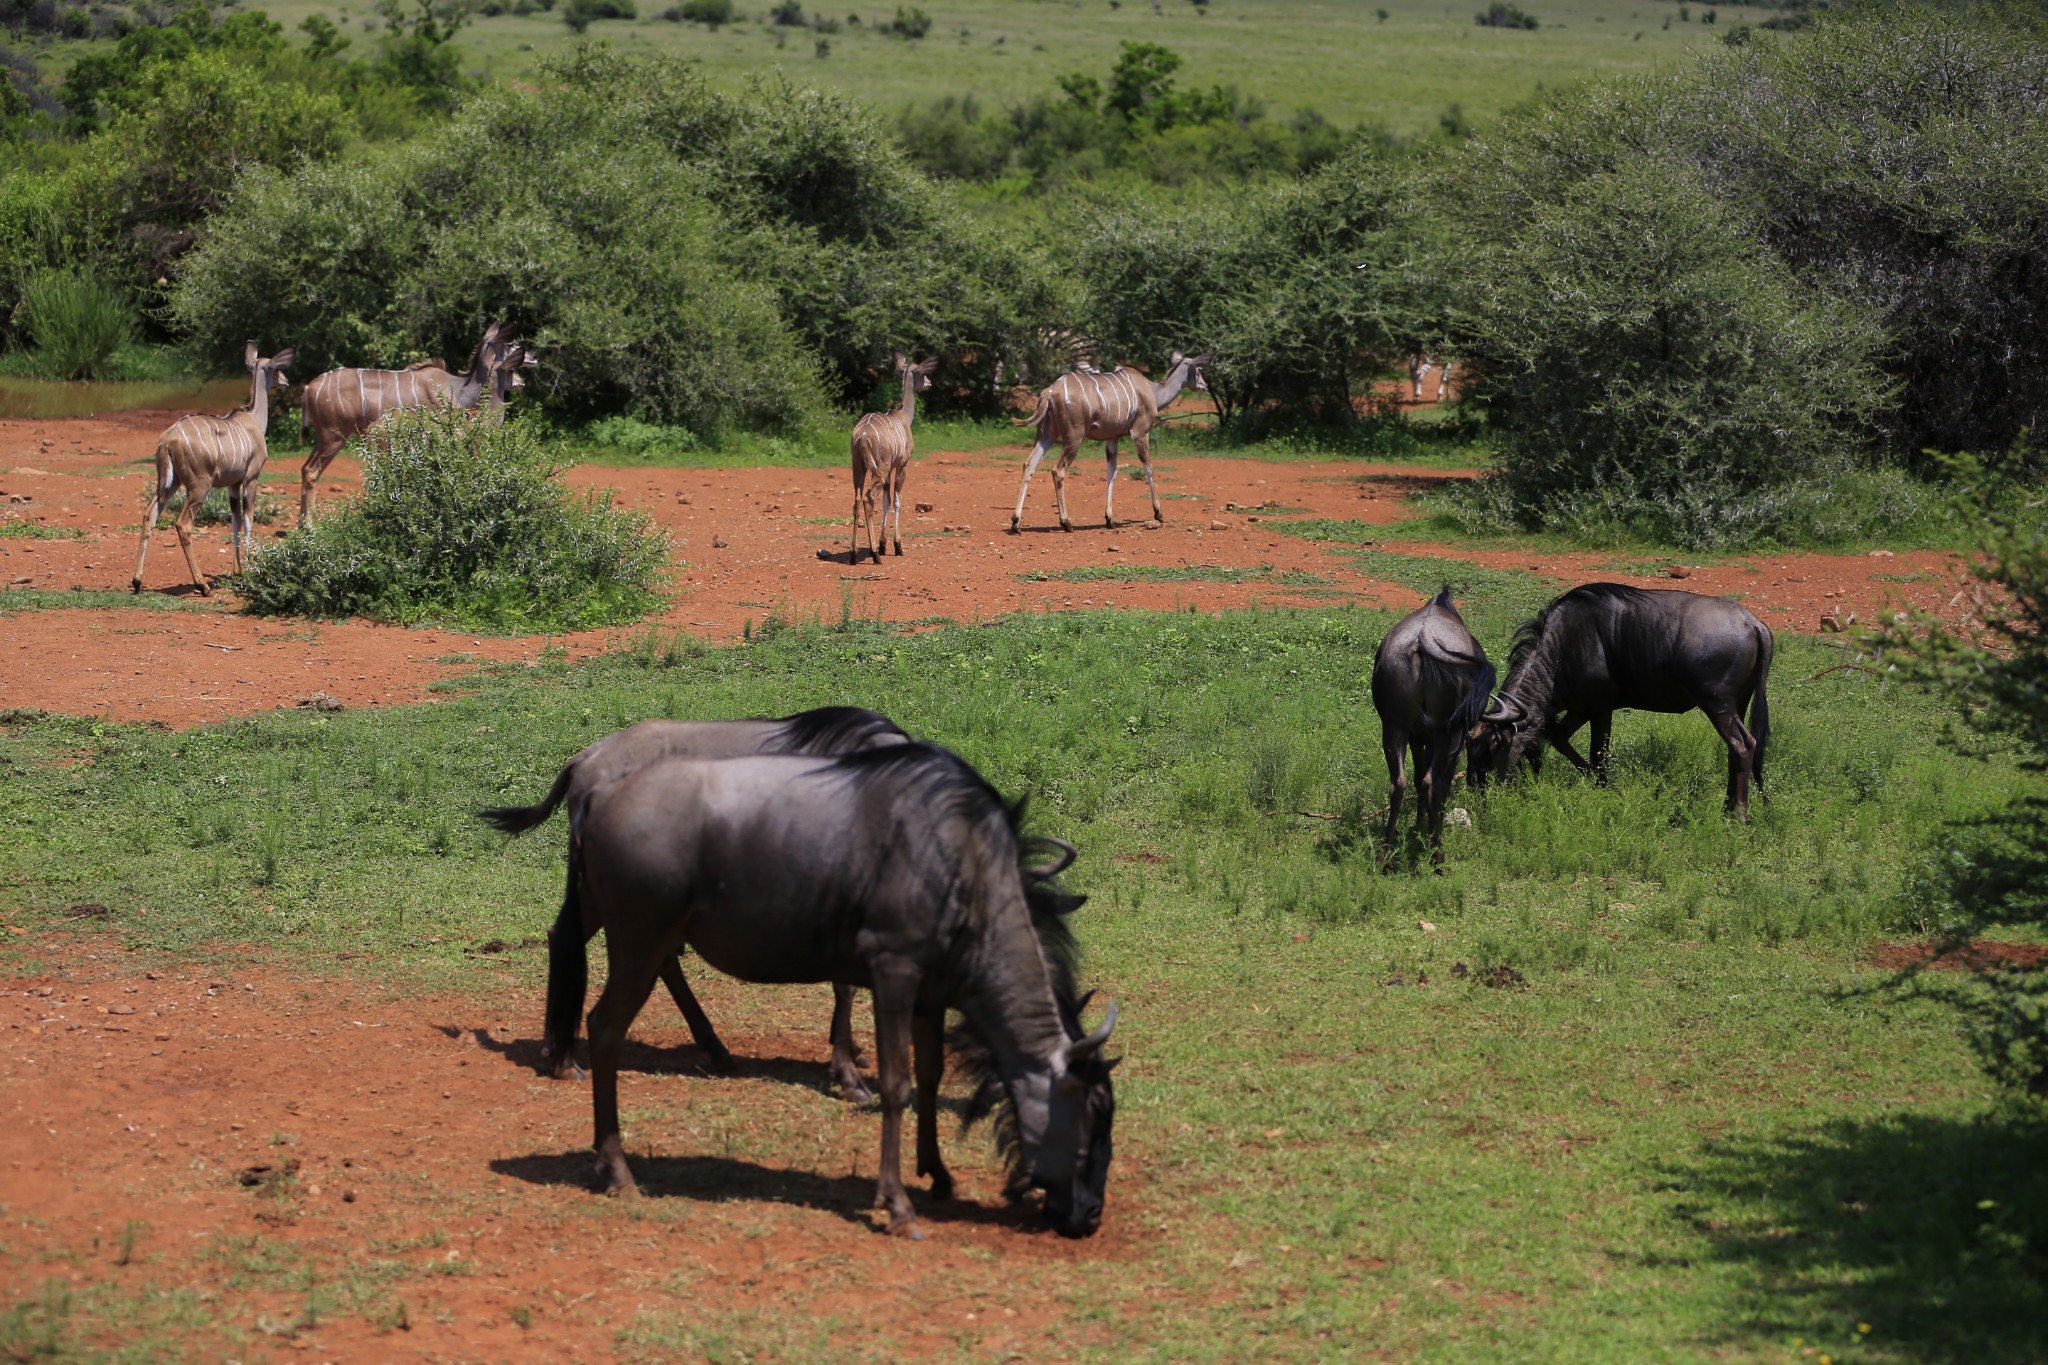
x=1066, y=525
x=135, y=585
x=1015, y=523
x=899, y=549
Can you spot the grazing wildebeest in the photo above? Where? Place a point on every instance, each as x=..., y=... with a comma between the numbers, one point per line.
x=1606, y=646
x=1430, y=684
x=825, y=731
x=897, y=869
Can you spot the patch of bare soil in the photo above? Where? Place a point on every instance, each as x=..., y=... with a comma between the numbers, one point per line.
x=337, y=1171
x=1982, y=955
x=755, y=542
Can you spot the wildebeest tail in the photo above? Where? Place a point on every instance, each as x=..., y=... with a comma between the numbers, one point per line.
x=1037, y=414
x=568, y=973
x=1473, y=673
x=519, y=819
x=1760, y=705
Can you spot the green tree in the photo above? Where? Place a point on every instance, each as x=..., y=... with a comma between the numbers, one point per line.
x=1991, y=874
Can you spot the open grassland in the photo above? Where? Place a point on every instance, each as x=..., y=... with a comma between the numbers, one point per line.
x=1627, y=1099
x=1337, y=58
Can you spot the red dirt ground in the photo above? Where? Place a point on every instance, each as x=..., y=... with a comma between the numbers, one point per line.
x=135, y=1101
x=188, y=666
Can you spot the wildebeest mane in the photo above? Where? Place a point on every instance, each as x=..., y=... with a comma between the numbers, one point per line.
x=989, y=1100
x=835, y=730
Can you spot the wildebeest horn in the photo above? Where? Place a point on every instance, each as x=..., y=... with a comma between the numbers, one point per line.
x=1504, y=711
x=1082, y=1048
x=1067, y=855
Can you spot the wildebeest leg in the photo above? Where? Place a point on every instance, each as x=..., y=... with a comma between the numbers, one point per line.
x=895, y=992
x=1418, y=767
x=623, y=995
x=1109, y=489
x=1603, y=732
x=846, y=1057
x=928, y=1039
x=1395, y=744
x=1441, y=771
x=1038, y=450
x=1560, y=733
x=1741, y=753
x=693, y=1013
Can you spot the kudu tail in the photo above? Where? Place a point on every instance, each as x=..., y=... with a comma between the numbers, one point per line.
x=568, y=975
x=519, y=819
x=1037, y=414
x=1760, y=708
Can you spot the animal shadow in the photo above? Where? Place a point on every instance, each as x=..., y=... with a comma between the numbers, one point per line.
x=647, y=1060
x=730, y=1180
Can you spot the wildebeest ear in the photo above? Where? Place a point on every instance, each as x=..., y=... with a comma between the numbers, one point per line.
x=249, y=356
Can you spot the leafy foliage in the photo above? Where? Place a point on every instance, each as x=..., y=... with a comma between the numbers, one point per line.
x=1636, y=347
x=77, y=321
x=1991, y=872
x=464, y=520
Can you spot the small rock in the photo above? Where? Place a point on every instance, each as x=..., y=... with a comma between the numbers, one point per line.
x=1425, y=926
x=320, y=701
x=1458, y=817
x=348, y=1196
x=1116, y=549
x=718, y=542
x=1679, y=571
x=1882, y=554
x=1214, y=526
x=924, y=507
x=1830, y=625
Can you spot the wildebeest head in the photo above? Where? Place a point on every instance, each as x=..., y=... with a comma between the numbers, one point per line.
x=1491, y=744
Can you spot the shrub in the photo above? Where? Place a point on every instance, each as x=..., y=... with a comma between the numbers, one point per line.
x=1499, y=15
x=1634, y=356
x=910, y=23
x=464, y=520
x=77, y=321
x=710, y=13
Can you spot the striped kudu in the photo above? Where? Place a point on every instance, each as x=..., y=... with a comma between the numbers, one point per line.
x=196, y=453
x=342, y=403
x=1088, y=405
x=881, y=452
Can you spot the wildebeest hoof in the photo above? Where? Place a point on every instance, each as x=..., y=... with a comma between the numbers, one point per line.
x=855, y=1093
x=626, y=1191
x=906, y=1227
x=718, y=1059
x=942, y=1185
x=568, y=1071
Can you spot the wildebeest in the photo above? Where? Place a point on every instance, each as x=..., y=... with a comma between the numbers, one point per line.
x=1603, y=647
x=897, y=869
x=827, y=730
x=1430, y=684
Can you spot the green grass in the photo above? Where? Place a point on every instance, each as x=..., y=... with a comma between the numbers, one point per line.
x=1691, y=1135
x=43, y=599
x=15, y=528
x=1336, y=58
x=1167, y=573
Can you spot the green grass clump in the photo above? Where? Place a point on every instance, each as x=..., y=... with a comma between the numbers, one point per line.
x=42, y=599
x=77, y=320
x=464, y=521
x=1171, y=573
x=16, y=528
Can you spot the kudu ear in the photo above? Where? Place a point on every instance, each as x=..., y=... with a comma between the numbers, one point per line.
x=1083, y=1048
x=249, y=356
x=928, y=364
x=900, y=360
x=284, y=358
x=1174, y=359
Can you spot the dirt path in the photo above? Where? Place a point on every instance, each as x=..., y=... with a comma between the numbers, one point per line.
x=754, y=542
x=364, y=1176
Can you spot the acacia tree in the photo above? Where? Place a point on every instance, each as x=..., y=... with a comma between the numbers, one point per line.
x=1991, y=873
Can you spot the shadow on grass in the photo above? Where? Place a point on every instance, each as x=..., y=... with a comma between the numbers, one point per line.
x=1934, y=1231
x=730, y=1180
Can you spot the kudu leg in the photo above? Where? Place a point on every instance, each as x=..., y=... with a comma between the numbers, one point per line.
x=236, y=511
x=1030, y=467
x=624, y=993
x=928, y=1039
x=846, y=1057
x=156, y=508
x=693, y=1014
x=194, y=496
x=309, y=480
x=1109, y=485
x=895, y=993
x=1144, y=445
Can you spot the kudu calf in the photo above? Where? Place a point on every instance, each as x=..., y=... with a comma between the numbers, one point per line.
x=1088, y=405
x=343, y=403
x=1430, y=685
x=199, y=453
x=881, y=454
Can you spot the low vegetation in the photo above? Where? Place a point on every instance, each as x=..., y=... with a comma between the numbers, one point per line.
x=464, y=520
x=1610, y=1087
